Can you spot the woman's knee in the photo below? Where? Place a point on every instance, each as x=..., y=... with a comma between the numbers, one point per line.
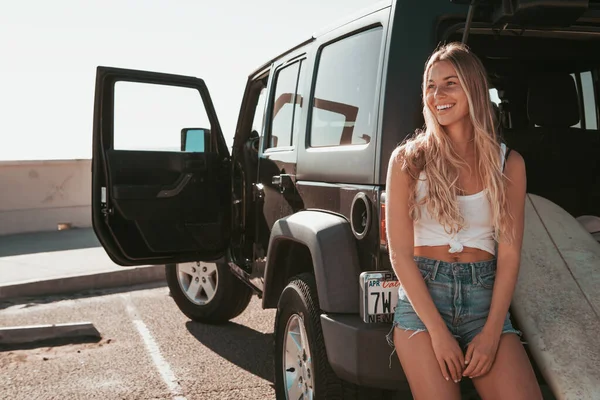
x=421, y=367
x=510, y=365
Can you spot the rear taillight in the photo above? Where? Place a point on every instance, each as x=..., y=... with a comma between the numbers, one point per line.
x=382, y=229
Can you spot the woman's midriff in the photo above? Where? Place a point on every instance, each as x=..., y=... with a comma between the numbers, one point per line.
x=469, y=254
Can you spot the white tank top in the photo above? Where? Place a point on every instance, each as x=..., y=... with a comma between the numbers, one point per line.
x=475, y=209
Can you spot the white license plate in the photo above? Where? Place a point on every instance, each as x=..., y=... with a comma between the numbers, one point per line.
x=379, y=296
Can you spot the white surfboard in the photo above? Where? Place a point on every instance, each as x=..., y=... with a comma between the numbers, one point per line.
x=557, y=299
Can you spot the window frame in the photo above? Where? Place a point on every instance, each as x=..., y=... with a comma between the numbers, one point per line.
x=595, y=72
x=313, y=87
x=270, y=103
x=583, y=122
x=356, y=164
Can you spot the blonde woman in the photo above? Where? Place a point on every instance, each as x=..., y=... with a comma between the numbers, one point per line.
x=455, y=203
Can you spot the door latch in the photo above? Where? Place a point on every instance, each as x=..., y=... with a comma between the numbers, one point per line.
x=283, y=181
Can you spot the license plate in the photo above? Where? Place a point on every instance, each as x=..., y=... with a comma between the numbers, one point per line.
x=379, y=296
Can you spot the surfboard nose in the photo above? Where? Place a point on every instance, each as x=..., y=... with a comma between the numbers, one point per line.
x=556, y=303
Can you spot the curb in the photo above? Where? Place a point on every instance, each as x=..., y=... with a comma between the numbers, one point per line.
x=106, y=280
x=20, y=335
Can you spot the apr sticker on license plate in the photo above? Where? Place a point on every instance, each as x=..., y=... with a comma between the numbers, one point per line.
x=379, y=296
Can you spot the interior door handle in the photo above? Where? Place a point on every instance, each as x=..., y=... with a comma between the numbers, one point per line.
x=171, y=192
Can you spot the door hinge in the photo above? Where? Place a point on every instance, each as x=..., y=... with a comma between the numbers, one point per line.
x=104, y=208
x=258, y=191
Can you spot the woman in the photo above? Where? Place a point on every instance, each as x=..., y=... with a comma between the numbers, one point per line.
x=454, y=215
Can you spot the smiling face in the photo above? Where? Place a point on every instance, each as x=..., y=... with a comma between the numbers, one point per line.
x=445, y=96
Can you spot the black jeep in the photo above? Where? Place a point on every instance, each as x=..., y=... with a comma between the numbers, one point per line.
x=295, y=212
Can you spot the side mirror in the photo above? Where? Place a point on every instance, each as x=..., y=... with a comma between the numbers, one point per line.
x=195, y=140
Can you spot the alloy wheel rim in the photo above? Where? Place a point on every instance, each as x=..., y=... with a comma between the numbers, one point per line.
x=297, y=361
x=198, y=281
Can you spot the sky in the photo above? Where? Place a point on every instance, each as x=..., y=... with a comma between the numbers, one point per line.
x=49, y=51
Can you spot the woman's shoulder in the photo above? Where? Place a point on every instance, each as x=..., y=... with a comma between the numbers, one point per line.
x=410, y=151
x=513, y=157
x=397, y=162
x=405, y=161
x=515, y=163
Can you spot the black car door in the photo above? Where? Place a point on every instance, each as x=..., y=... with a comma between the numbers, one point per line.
x=277, y=194
x=160, y=169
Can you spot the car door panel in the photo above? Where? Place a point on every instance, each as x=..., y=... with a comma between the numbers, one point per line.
x=168, y=222
x=158, y=206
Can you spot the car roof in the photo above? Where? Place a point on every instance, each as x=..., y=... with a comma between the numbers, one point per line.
x=380, y=5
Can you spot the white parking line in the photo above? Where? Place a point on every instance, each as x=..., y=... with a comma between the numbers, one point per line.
x=161, y=364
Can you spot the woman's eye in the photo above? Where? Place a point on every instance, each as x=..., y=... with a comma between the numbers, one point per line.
x=451, y=83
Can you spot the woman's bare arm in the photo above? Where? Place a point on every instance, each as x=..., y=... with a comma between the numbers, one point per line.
x=509, y=254
x=400, y=239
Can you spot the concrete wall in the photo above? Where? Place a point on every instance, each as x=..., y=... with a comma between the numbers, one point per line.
x=38, y=195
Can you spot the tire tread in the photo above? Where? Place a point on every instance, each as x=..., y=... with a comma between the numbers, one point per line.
x=335, y=388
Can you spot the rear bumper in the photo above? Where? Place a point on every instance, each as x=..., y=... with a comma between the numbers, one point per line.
x=359, y=352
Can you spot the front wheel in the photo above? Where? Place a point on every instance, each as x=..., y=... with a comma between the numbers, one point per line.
x=207, y=292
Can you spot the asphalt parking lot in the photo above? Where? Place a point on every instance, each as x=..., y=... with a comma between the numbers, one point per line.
x=148, y=350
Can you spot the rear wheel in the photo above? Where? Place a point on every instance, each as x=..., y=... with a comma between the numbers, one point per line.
x=207, y=292
x=302, y=370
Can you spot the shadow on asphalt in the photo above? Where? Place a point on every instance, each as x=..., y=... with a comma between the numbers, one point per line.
x=242, y=346
x=44, y=242
x=26, y=302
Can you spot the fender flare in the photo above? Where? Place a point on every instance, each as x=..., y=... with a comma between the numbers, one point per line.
x=332, y=247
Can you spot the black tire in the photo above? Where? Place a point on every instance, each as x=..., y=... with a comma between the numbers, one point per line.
x=300, y=298
x=231, y=297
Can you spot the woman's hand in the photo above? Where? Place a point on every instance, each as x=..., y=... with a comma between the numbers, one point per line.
x=449, y=355
x=481, y=354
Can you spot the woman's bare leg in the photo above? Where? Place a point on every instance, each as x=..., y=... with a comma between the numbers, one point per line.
x=511, y=376
x=421, y=367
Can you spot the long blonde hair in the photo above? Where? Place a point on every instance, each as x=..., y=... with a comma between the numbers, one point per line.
x=431, y=150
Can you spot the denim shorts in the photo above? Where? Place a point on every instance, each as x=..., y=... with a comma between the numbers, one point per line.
x=462, y=293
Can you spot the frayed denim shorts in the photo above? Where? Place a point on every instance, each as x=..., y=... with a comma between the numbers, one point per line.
x=462, y=293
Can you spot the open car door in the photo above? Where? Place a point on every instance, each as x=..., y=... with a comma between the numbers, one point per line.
x=160, y=169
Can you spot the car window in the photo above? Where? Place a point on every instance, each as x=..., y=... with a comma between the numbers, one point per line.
x=151, y=117
x=589, y=101
x=344, y=102
x=299, y=100
x=284, y=107
x=259, y=113
x=494, y=96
